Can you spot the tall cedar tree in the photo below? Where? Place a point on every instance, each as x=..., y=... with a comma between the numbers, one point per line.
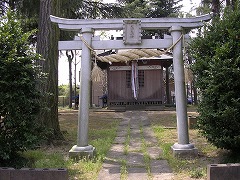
x=216, y=6
x=49, y=33
x=35, y=14
x=47, y=46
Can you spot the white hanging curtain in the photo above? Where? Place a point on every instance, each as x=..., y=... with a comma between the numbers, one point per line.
x=134, y=77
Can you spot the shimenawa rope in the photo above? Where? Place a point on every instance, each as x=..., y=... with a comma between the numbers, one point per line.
x=133, y=54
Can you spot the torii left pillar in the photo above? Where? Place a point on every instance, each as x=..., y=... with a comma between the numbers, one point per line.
x=83, y=149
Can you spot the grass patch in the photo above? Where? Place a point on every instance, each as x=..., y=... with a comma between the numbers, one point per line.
x=183, y=168
x=127, y=141
x=146, y=156
x=197, y=173
x=102, y=131
x=41, y=159
x=123, y=170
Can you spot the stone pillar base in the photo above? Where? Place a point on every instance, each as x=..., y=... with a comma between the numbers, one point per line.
x=82, y=152
x=184, y=150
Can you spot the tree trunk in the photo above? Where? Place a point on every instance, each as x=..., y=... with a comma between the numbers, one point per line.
x=70, y=84
x=167, y=86
x=47, y=46
x=70, y=58
x=12, y=4
x=228, y=3
x=216, y=7
x=231, y=3
x=195, y=95
x=75, y=79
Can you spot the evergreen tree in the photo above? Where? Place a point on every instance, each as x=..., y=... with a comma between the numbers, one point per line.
x=35, y=14
x=47, y=46
x=217, y=64
x=19, y=102
x=216, y=6
x=165, y=8
x=135, y=8
x=150, y=8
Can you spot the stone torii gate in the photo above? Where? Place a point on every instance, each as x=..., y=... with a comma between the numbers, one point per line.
x=131, y=40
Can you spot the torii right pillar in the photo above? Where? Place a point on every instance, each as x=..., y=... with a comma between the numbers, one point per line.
x=182, y=148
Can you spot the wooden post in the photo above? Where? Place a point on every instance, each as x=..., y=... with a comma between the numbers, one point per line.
x=167, y=86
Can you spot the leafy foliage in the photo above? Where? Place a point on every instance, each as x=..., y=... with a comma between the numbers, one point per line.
x=63, y=90
x=90, y=9
x=217, y=68
x=150, y=9
x=165, y=8
x=19, y=102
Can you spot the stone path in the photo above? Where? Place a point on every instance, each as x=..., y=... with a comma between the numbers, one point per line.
x=135, y=152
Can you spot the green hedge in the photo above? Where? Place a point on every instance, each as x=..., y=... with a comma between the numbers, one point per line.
x=217, y=70
x=19, y=97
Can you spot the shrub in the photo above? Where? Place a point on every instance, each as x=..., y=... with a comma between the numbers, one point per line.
x=19, y=98
x=217, y=69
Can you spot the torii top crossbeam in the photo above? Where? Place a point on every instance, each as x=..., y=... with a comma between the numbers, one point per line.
x=117, y=24
x=131, y=27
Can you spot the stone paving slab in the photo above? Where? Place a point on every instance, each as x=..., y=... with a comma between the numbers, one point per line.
x=135, y=145
x=160, y=166
x=163, y=176
x=135, y=133
x=161, y=170
x=122, y=133
x=116, y=155
x=136, y=167
x=123, y=123
x=110, y=171
x=135, y=159
x=117, y=148
x=149, y=136
x=134, y=126
x=137, y=173
x=154, y=152
x=148, y=132
x=145, y=122
x=116, y=152
x=119, y=140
